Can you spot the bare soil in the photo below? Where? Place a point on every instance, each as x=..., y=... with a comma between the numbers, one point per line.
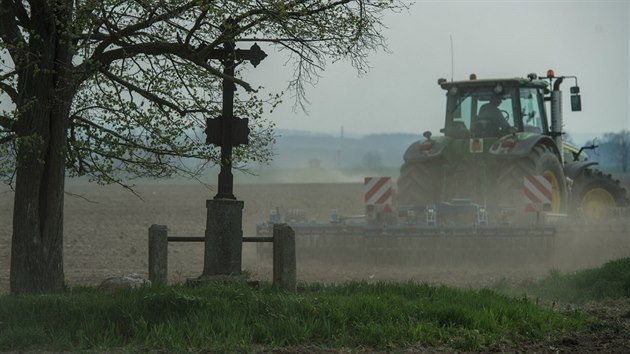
x=105, y=231
x=106, y=227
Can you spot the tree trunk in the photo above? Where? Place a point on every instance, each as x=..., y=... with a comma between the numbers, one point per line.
x=37, y=244
x=44, y=105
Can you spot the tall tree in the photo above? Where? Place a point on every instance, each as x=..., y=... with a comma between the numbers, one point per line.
x=118, y=89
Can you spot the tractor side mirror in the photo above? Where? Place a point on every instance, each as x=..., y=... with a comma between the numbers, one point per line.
x=576, y=100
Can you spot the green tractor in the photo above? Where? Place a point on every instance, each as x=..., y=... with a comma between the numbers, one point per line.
x=496, y=134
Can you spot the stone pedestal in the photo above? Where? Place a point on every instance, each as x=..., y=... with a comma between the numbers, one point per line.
x=224, y=238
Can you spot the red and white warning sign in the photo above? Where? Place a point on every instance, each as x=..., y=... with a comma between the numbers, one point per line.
x=377, y=190
x=538, y=192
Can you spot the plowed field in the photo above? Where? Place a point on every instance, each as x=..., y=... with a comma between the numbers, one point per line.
x=106, y=235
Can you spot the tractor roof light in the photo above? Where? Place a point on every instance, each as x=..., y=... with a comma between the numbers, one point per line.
x=473, y=76
x=550, y=74
x=426, y=145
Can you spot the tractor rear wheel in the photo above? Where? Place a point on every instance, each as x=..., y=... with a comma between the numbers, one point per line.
x=597, y=194
x=419, y=183
x=541, y=161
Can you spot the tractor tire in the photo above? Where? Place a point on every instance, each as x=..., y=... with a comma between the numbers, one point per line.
x=596, y=194
x=419, y=183
x=541, y=161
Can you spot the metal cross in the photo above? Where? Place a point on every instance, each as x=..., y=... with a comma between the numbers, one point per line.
x=228, y=131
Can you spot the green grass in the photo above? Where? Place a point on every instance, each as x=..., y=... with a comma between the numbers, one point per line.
x=610, y=281
x=238, y=318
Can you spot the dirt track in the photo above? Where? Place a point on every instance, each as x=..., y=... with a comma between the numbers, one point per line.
x=106, y=235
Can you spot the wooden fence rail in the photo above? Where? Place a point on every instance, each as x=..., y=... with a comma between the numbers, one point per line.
x=284, y=259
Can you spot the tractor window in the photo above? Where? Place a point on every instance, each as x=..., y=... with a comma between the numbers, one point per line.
x=462, y=112
x=480, y=112
x=458, y=115
x=531, y=111
x=503, y=103
x=494, y=113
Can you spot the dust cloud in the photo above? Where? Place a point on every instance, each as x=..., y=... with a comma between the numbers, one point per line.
x=106, y=235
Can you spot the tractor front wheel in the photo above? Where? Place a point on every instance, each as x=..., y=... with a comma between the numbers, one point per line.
x=597, y=194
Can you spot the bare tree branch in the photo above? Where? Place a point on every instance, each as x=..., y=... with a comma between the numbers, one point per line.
x=196, y=26
x=161, y=48
x=118, y=34
x=128, y=142
x=144, y=93
x=80, y=197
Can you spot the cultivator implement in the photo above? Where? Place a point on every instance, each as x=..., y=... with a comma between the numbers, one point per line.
x=418, y=244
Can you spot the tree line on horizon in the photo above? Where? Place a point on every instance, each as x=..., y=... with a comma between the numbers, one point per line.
x=612, y=151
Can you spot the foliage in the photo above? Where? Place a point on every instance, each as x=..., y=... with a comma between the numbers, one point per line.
x=238, y=318
x=140, y=82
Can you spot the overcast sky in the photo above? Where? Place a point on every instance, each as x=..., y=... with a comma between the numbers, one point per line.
x=588, y=39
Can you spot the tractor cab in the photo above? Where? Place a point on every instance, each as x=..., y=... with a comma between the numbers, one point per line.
x=498, y=143
x=494, y=108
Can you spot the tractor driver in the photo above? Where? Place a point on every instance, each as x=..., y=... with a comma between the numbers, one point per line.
x=490, y=120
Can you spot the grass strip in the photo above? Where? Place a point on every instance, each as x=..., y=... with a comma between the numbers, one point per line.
x=235, y=317
x=610, y=281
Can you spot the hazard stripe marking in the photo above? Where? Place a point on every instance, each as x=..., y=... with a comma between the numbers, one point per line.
x=378, y=190
x=385, y=197
x=531, y=197
x=537, y=190
x=542, y=185
x=375, y=188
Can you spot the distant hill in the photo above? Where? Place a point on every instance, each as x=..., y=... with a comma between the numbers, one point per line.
x=308, y=157
x=295, y=149
x=301, y=149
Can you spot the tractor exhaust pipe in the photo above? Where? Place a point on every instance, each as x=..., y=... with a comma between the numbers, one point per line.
x=556, y=116
x=556, y=108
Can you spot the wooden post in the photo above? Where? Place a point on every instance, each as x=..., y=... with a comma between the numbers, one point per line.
x=284, y=263
x=158, y=254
